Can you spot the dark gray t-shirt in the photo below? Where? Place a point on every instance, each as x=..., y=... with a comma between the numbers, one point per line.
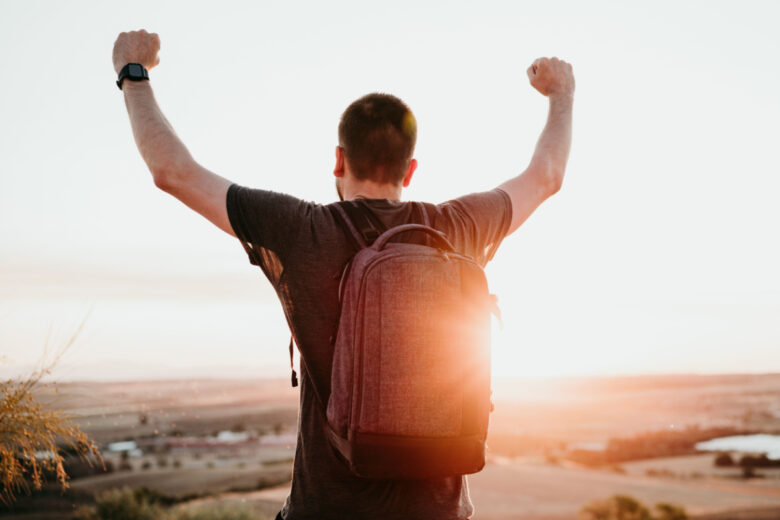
x=302, y=249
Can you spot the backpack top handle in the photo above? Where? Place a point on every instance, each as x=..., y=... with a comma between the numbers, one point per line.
x=439, y=238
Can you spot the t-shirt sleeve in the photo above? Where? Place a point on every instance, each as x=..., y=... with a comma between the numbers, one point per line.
x=267, y=224
x=477, y=223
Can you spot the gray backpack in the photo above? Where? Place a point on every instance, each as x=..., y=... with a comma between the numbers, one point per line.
x=410, y=383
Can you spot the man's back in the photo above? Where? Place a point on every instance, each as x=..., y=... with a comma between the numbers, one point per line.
x=303, y=250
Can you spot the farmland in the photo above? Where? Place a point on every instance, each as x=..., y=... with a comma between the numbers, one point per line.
x=203, y=442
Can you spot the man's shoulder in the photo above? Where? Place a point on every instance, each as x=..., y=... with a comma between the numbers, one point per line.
x=494, y=196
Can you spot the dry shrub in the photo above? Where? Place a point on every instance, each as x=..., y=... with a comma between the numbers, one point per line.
x=624, y=507
x=122, y=504
x=619, y=507
x=32, y=437
x=142, y=504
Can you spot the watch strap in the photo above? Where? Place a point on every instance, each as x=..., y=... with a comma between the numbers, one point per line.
x=133, y=72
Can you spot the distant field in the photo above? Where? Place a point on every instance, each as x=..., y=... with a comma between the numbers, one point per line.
x=538, y=491
x=594, y=409
x=568, y=409
x=548, y=413
x=185, y=482
x=113, y=411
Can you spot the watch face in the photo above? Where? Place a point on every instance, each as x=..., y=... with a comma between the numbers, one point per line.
x=135, y=70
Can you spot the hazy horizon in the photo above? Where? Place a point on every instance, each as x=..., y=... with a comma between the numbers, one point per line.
x=74, y=376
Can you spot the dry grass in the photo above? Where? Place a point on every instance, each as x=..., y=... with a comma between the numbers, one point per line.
x=32, y=437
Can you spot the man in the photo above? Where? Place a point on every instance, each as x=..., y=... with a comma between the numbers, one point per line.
x=302, y=248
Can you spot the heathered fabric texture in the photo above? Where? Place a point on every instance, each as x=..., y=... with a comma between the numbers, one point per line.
x=302, y=250
x=413, y=337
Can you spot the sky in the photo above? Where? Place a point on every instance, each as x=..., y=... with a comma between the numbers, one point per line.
x=660, y=253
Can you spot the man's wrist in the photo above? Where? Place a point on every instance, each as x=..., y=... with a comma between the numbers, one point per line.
x=135, y=86
x=561, y=97
x=562, y=100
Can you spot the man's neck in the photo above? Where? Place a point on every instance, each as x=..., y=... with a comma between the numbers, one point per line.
x=372, y=190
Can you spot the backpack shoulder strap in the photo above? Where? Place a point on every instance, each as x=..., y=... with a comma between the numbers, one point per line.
x=373, y=224
x=420, y=216
x=420, y=207
x=355, y=236
x=362, y=225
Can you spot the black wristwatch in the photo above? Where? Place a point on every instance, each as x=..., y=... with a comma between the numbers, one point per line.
x=133, y=72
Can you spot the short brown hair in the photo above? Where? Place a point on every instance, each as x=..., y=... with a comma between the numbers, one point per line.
x=378, y=133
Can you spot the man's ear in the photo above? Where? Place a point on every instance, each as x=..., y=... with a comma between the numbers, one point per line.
x=338, y=170
x=408, y=176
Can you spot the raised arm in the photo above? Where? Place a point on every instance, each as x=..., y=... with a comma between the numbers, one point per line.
x=543, y=177
x=173, y=168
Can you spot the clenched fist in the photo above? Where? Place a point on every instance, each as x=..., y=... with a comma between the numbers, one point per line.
x=551, y=77
x=136, y=47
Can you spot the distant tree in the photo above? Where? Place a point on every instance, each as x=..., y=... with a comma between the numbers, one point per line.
x=33, y=438
x=623, y=507
x=629, y=508
x=596, y=510
x=749, y=463
x=666, y=511
x=758, y=461
x=723, y=460
x=619, y=507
